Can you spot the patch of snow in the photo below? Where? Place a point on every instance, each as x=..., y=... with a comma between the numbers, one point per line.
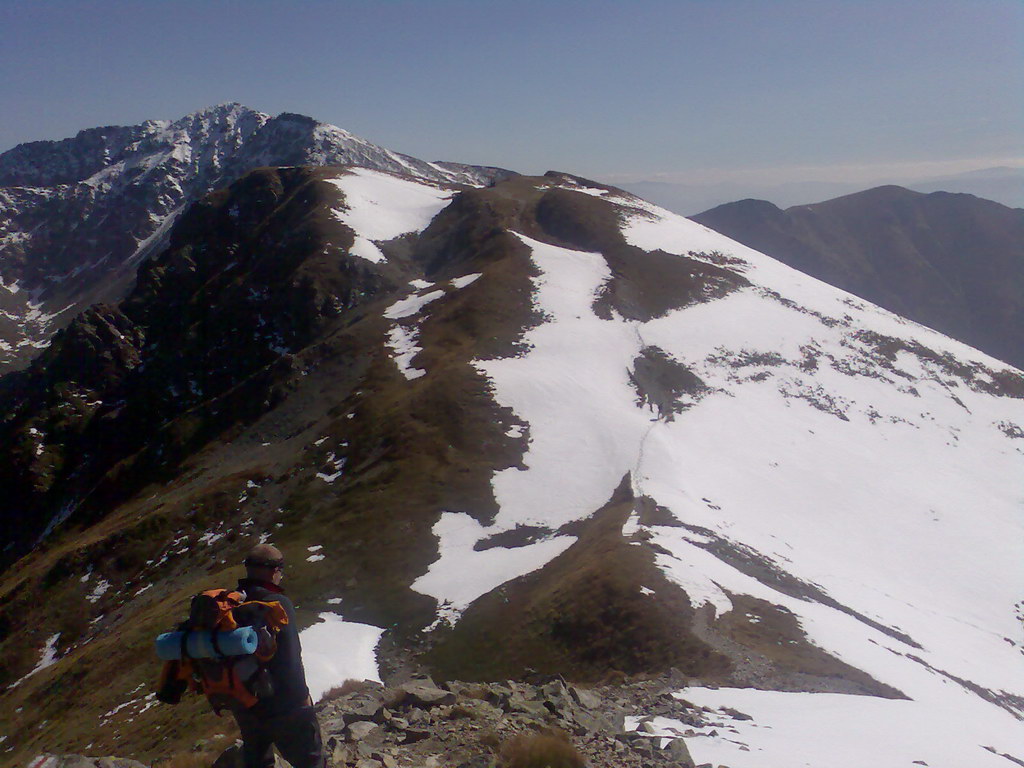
x=411, y=305
x=462, y=282
x=150, y=701
x=402, y=342
x=592, y=191
x=98, y=591
x=315, y=548
x=315, y=558
x=335, y=650
x=573, y=370
x=457, y=532
x=420, y=284
x=844, y=731
x=47, y=658
x=339, y=466
x=334, y=601
x=380, y=207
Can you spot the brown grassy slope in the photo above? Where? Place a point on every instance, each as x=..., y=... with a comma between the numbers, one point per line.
x=582, y=616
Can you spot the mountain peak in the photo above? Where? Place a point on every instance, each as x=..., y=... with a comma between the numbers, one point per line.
x=143, y=177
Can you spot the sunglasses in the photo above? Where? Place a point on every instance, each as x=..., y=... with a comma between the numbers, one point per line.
x=277, y=565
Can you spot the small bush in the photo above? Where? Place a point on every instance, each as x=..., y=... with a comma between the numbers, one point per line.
x=548, y=749
x=349, y=686
x=490, y=739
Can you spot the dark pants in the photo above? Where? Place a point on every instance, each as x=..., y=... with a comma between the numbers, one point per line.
x=296, y=735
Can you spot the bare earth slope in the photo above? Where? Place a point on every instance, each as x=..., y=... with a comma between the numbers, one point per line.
x=541, y=426
x=953, y=262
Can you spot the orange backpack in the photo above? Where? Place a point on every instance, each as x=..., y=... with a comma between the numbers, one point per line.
x=227, y=681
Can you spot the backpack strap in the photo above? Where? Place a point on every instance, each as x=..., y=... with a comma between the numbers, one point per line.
x=274, y=615
x=184, y=643
x=215, y=645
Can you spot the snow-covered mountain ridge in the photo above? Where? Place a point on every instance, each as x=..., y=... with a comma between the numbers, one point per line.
x=77, y=216
x=542, y=424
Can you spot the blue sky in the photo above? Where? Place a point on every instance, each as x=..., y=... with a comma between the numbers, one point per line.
x=779, y=89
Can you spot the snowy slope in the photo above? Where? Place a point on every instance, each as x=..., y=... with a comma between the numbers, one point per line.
x=846, y=449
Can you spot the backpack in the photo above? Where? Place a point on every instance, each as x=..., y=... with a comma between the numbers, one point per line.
x=209, y=663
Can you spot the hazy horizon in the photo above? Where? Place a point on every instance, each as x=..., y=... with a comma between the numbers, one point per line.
x=748, y=93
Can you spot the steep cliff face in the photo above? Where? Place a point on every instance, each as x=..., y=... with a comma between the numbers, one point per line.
x=78, y=216
x=953, y=262
x=536, y=425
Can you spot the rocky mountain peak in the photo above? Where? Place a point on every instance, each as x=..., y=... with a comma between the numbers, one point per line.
x=78, y=216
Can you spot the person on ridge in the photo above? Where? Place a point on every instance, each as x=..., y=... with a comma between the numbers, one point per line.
x=287, y=718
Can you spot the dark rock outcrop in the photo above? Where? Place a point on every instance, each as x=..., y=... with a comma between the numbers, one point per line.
x=78, y=216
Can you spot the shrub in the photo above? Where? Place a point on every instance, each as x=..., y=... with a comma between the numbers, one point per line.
x=548, y=749
x=349, y=686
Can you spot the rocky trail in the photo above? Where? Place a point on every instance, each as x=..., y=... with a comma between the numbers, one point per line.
x=421, y=724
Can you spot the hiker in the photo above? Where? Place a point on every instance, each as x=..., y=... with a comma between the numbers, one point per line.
x=286, y=718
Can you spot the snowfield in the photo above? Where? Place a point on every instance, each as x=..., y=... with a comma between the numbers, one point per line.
x=887, y=481
x=379, y=206
x=335, y=650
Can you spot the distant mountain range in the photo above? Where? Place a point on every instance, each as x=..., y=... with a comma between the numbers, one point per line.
x=953, y=262
x=1003, y=184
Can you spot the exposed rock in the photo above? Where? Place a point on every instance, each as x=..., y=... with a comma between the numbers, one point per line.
x=80, y=761
x=423, y=694
x=463, y=725
x=361, y=729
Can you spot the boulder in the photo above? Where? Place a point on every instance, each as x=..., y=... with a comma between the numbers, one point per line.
x=362, y=708
x=361, y=729
x=585, y=698
x=677, y=750
x=423, y=694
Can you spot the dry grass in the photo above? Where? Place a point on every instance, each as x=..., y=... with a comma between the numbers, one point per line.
x=202, y=759
x=547, y=749
x=202, y=755
x=348, y=686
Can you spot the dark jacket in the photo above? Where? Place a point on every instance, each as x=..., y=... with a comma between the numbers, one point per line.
x=286, y=672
